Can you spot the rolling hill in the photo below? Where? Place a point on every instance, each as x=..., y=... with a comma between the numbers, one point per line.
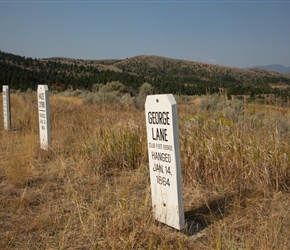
x=165, y=74
x=276, y=68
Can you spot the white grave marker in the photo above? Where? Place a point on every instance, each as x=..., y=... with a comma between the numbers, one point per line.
x=6, y=106
x=164, y=160
x=44, y=117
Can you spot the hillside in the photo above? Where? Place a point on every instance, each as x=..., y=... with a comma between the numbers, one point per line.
x=149, y=64
x=276, y=68
x=164, y=74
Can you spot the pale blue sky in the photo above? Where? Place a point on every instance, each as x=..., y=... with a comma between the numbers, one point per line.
x=230, y=33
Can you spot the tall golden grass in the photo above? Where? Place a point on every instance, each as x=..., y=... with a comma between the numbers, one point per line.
x=92, y=189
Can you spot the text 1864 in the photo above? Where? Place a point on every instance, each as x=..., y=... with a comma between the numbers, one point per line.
x=162, y=180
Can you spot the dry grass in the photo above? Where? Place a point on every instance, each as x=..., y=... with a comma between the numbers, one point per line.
x=92, y=191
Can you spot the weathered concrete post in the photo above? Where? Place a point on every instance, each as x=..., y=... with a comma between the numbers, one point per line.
x=6, y=107
x=164, y=160
x=44, y=116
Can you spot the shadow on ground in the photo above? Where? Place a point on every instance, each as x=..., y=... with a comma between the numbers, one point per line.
x=198, y=219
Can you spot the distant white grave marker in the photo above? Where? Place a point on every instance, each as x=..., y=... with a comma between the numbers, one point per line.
x=6, y=107
x=44, y=117
x=164, y=160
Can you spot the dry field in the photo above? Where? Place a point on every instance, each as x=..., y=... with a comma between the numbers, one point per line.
x=92, y=189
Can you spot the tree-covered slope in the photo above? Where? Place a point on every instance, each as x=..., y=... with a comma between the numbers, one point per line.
x=166, y=75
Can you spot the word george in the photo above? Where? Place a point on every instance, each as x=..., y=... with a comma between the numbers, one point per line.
x=167, y=147
x=158, y=118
